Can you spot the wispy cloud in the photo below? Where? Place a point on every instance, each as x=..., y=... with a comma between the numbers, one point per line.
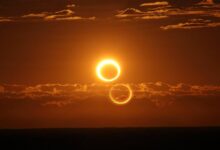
x=159, y=3
x=71, y=6
x=193, y=16
x=169, y=10
x=130, y=12
x=136, y=14
x=66, y=14
x=192, y=24
x=35, y=15
x=63, y=94
x=5, y=19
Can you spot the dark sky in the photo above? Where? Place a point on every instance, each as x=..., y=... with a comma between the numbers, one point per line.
x=173, y=43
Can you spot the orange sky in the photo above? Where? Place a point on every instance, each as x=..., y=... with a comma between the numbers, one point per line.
x=168, y=52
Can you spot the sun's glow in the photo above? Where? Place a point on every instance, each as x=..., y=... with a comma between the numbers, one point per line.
x=103, y=64
x=118, y=101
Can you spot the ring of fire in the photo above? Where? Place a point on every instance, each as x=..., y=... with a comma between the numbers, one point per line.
x=102, y=64
x=126, y=100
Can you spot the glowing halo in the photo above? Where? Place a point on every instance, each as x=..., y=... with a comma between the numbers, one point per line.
x=122, y=102
x=103, y=64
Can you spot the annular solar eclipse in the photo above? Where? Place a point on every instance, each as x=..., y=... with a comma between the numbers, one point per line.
x=102, y=64
x=116, y=65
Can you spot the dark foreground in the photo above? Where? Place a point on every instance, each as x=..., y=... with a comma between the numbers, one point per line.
x=111, y=138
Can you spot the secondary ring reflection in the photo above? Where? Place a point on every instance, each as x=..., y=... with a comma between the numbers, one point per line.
x=118, y=89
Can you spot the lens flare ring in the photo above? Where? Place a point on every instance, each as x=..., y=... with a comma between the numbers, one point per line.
x=122, y=102
x=102, y=64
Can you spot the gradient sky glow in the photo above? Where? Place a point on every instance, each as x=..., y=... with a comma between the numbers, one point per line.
x=168, y=50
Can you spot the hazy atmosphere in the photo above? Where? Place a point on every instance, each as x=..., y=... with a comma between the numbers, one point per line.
x=166, y=54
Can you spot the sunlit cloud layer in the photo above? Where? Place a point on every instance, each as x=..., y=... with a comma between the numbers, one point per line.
x=63, y=94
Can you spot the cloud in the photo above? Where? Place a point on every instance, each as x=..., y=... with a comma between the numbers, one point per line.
x=35, y=15
x=180, y=89
x=170, y=11
x=5, y=19
x=66, y=14
x=160, y=3
x=49, y=93
x=71, y=6
x=64, y=94
x=154, y=17
x=133, y=13
x=186, y=17
x=192, y=24
x=60, y=14
x=129, y=12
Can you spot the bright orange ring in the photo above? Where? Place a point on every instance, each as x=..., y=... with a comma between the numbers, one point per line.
x=103, y=64
x=125, y=101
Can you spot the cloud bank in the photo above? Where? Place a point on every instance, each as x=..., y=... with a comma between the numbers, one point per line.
x=62, y=94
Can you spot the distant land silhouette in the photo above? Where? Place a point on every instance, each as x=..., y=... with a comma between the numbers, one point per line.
x=111, y=138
